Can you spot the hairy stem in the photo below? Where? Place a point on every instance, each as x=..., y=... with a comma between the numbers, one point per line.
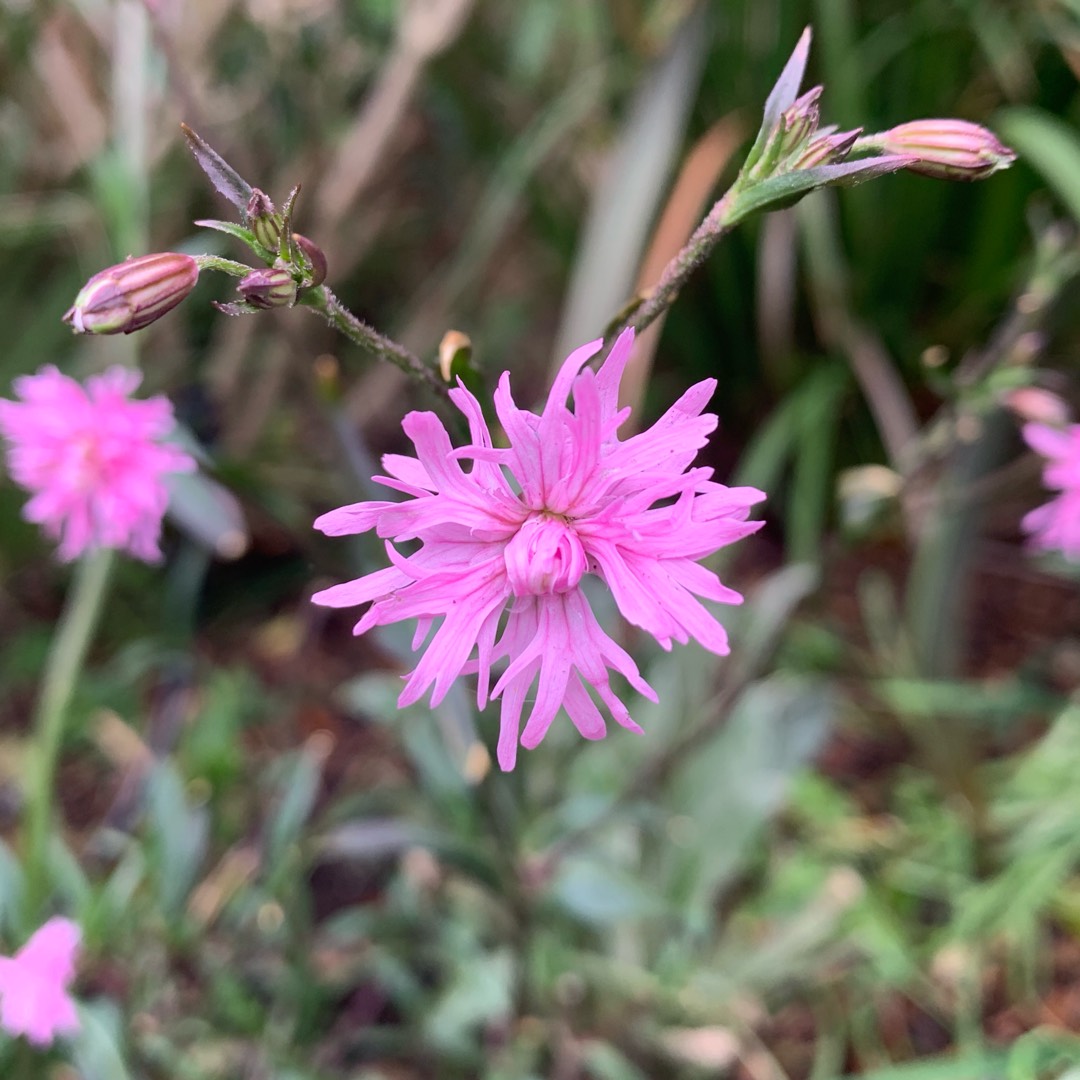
x=322, y=300
x=717, y=224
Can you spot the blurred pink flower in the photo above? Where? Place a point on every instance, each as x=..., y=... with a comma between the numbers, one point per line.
x=1055, y=525
x=93, y=459
x=33, y=984
x=526, y=525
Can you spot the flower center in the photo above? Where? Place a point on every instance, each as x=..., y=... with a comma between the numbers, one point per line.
x=545, y=556
x=86, y=459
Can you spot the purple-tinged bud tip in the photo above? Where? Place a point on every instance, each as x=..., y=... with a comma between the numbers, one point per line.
x=264, y=222
x=316, y=259
x=132, y=294
x=947, y=149
x=801, y=118
x=268, y=287
x=827, y=148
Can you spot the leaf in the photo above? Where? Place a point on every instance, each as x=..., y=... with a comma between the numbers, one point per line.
x=96, y=1048
x=999, y=699
x=770, y=608
x=287, y=226
x=624, y=205
x=208, y=513
x=741, y=778
x=782, y=95
x=241, y=307
x=239, y=232
x=811, y=493
x=180, y=833
x=599, y=893
x=985, y=1066
x=221, y=174
x=295, y=800
x=605, y=1062
x=780, y=191
x=786, y=89
x=360, y=841
x=1050, y=146
x=12, y=884
x=482, y=992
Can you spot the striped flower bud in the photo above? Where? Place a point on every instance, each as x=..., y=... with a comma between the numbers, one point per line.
x=132, y=294
x=826, y=148
x=268, y=287
x=946, y=149
x=264, y=222
x=800, y=120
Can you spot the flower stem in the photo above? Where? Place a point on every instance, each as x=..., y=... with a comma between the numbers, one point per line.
x=717, y=224
x=66, y=655
x=322, y=300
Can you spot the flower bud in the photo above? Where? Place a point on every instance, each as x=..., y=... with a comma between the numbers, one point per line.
x=947, y=149
x=132, y=294
x=264, y=223
x=827, y=148
x=800, y=119
x=1036, y=405
x=315, y=257
x=268, y=287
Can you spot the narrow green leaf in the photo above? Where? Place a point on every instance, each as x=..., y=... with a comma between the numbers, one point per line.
x=988, y=1066
x=295, y=800
x=783, y=93
x=1050, y=146
x=180, y=835
x=239, y=232
x=779, y=191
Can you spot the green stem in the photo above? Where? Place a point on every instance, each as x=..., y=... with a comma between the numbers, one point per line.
x=65, y=660
x=224, y=266
x=719, y=222
x=322, y=300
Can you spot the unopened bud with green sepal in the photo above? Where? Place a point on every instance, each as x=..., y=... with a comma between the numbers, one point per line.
x=315, y=260
x=263, y=221
x=800, y=120
x=132, y=294
x=828, y=147
x=268, y=287
x=944, y=148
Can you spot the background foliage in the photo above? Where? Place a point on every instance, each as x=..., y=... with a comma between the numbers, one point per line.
x=850, y=849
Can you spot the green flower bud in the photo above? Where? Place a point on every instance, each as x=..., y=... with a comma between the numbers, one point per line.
x=264, y=223
x=800, y=120
x=268, y=287
x=827, y=148
x=132, y=294
x=315, y=258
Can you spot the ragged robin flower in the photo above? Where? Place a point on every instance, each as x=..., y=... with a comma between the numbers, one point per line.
x=94, y=459
x=508, y=543
x=1055, y=526
x=34, y=999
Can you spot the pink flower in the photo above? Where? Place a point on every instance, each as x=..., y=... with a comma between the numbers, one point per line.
x=93, y=459
x=506, y=546
x=1055, y=526
x=33, y=984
